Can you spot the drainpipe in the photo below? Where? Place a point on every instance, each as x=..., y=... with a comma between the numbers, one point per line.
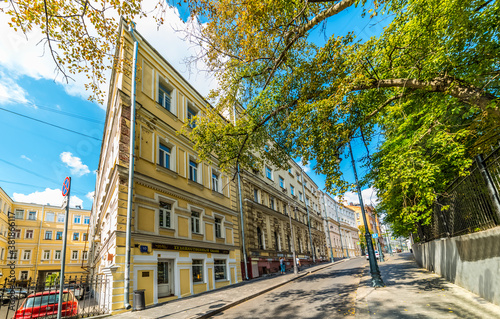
x=308, y=218
x=240, y=199
x=130, y=172
x=38, y=243
x=328, y=229
x=340, y=230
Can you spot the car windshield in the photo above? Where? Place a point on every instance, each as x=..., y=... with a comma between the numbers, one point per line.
x=45, y=300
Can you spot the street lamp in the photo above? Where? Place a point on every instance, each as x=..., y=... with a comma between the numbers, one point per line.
x=374, y=270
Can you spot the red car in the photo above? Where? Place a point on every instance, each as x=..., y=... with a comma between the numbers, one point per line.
x=44, y=305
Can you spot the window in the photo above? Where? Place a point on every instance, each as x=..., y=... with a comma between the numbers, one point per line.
x=271, y=202
x=29, y=234
x=24, y=275
x=84, y=255
x=74, y=254
x=164, y=156
x=27, y=255
x=165, y=215
x=57, y=255
x=197, y=269
x=300, y=196
x=19, y=214
x=193, y=171
x=269, y=173
x=17, y=233
x=46, y=255
x=256, y=195
x=165, y=98
x=288, y=241
x=85, y=237
x=298, y=178
x=77, y=219
x=59, y=235
x=191, y=113
x=48, y=234
x=49, y=217
x=276, y=241
x=76, y=236
x=2, y=253
x=86, y=220
x=259, y=238
x=220, y=269
x=218, y=227
x=215, y=181
x=32, y=215
x=195, y=222
x=290, y=170
x=60, y=218
x=292, y=190
x=284, y=209
x=282, y=182
x=307, y=201
x=12, y=254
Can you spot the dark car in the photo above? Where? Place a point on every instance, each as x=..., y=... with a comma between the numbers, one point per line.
x=45, y=304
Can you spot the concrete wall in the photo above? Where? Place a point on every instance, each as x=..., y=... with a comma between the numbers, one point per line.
x=470, y=261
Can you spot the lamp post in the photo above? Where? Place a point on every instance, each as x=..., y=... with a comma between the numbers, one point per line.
x=375, y=272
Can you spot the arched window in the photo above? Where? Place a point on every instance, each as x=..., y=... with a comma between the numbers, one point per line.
x=259, y=238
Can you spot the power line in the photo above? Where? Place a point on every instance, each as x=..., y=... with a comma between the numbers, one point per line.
x=47, y=108
x=47, y=123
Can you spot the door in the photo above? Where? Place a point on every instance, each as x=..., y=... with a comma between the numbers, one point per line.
x=165, y=279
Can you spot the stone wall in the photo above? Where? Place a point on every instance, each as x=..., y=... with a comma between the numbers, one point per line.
x=471, y=261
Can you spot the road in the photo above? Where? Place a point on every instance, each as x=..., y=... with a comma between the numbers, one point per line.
x=329, y=293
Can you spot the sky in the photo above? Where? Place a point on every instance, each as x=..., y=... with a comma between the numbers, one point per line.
x=49, y=130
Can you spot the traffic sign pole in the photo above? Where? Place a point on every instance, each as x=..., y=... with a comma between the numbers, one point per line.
x=65, y=192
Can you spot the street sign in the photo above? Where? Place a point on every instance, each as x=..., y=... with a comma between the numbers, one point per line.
x=375, y=236
x=64, y=203
x=65, y=187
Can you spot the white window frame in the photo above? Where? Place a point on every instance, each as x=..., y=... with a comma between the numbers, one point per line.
x=196, y=222
x=73, y=254
x=190, y=115
x=219, y=226
x=164, y=155
x=62, y=234
x=225, y=269
x=31, y=213
x=47, y=214
x=60, y=218
x=163, y=81
x=45, y=235
x=77, y=236
x=282, y=182
x=57, y=255
x=85, y=255
x=269, y=172
x=23, y=275
x=292, y=190
x=18, y=212
x=27, y=254
x=46, y=255
x=216, y=181
x=163, y=212
x=28, y=231
x=86, y=220
x=77, y=217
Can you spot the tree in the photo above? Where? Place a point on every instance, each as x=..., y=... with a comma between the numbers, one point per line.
x=428, y=84
x=79, y=35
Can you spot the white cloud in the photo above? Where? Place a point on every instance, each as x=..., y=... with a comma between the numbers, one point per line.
x=307, y=168
x=10, y=91
x=47, y=197
x=90, y=196
x=26, y=158
x=24, y=55
x=74, y=163
x=369, y=197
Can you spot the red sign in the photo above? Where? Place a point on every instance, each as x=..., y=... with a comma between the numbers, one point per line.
x=65, y=187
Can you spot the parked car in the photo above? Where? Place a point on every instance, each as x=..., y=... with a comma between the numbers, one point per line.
x=45, y=304
x=12, y=293
x=376, y=255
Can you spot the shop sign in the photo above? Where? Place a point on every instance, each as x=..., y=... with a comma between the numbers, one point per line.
x=189, y=248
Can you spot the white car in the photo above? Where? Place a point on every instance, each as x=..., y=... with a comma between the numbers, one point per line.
x=376, y=255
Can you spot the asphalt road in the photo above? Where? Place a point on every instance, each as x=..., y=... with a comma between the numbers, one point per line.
x=328, y=293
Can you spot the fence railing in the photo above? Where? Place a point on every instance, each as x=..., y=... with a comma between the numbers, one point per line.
x=84, y=296
x=470, y=204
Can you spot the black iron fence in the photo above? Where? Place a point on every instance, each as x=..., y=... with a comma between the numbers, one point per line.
x=84, y=296
x=470, y=204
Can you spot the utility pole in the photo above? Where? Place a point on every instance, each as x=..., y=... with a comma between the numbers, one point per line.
x=374, y=270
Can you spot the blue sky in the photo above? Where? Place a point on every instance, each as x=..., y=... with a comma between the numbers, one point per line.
x=35, y=157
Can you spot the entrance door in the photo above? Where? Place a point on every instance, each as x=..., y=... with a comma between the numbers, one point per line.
x=165, y=279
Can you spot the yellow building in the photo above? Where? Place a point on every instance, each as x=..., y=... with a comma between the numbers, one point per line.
x=35, y=233
x=184, y=223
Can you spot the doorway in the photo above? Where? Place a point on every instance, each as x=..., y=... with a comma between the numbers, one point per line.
x=165, y=279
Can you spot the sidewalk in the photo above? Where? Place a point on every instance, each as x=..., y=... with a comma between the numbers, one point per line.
x=413, y=292
x=212, y=302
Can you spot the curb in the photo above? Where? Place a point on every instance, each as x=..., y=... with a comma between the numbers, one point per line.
x=237, y=302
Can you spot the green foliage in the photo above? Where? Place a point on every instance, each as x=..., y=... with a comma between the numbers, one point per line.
x=427, y=88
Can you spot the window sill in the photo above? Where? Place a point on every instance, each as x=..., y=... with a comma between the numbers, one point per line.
x=193, y=183
x=166, y=171
x=217, y=193
x=222, y=280
x=199, y=283
x=172, y=115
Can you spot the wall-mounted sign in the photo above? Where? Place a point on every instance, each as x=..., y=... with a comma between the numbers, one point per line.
x=189, y=248
x=144, y=248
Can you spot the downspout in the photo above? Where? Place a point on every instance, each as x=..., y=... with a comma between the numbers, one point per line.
x=328, y=229
x=308, y=218
x=340, y=230
x=130, y=172
x=240, y=199
x=38, y=243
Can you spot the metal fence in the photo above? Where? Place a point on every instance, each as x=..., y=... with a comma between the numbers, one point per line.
x=470, y=204
x=83, y=297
